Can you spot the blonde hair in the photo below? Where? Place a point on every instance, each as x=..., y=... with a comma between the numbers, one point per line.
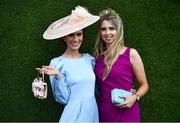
x=112, y=53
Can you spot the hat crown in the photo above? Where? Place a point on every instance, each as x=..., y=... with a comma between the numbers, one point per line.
x=77, y=16
x=80, y=12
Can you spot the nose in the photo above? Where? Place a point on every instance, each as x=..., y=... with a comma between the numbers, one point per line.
x=75, y=37
x=107, y=31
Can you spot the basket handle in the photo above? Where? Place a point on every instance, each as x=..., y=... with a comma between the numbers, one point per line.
x=38, y=75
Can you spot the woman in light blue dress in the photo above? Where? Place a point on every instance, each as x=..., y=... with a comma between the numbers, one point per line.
x=75, y=89
x=72, y=74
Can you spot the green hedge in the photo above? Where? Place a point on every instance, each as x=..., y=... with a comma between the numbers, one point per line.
x=151, y=26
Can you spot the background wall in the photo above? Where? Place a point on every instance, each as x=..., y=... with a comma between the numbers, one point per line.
x=151, y=26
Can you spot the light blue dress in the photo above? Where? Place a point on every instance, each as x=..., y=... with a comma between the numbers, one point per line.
x=76, y=88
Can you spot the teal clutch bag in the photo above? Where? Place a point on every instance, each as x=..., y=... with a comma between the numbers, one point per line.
x=116, y=95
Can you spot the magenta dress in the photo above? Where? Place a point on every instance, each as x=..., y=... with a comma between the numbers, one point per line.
x=120, y=76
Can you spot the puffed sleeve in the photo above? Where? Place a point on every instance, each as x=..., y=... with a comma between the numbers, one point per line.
x=60, y=87
x=91, y=58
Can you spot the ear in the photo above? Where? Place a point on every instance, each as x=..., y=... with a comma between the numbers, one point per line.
x=64, y=38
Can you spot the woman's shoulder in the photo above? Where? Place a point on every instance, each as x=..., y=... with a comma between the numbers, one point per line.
x=56, y=60
x=134, y=55
x=88, y=56
x=133, y=52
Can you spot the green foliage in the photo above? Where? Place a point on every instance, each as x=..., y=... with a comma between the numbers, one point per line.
x=151, y=26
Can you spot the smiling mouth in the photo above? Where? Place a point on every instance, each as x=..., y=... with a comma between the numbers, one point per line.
x=108, y=38
x=75, y=44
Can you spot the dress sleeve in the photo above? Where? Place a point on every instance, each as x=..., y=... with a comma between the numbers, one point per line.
x=92, y=59
x=60, y=87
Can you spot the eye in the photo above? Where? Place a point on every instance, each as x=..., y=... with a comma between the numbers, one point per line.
x=111, y=28
x=79, y=34
x=103, y=28
x=71, y=35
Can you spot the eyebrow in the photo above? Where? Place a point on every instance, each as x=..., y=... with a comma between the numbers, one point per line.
x=107, y=27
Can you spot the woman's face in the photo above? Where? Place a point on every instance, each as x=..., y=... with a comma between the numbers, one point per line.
x=108, y=32
x=74, y=40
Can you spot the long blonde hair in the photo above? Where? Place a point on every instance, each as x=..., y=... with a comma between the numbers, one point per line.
x=112, y=53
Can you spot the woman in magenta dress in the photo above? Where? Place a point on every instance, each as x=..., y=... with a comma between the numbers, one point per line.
x=116, y=67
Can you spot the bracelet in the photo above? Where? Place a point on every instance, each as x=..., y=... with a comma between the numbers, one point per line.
x=138, y=96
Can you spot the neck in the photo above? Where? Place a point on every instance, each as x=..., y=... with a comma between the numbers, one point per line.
x=72, y=54
x=108, y=45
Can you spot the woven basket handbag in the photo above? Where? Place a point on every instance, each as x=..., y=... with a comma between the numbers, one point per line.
x=39, y=87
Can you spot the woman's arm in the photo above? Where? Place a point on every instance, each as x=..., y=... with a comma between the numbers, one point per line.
x=139, y=72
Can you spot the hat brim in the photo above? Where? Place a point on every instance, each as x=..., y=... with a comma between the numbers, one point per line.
x=54, y=33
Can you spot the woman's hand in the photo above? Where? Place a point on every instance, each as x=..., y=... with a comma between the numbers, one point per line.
x=128, y=103
x=50, y=71
x=133, y=91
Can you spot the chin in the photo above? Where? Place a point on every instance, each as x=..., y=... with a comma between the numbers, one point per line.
x=75, y=48
x=108, y=42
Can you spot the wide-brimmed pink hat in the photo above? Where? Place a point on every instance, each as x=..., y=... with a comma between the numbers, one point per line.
x=79, y=19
